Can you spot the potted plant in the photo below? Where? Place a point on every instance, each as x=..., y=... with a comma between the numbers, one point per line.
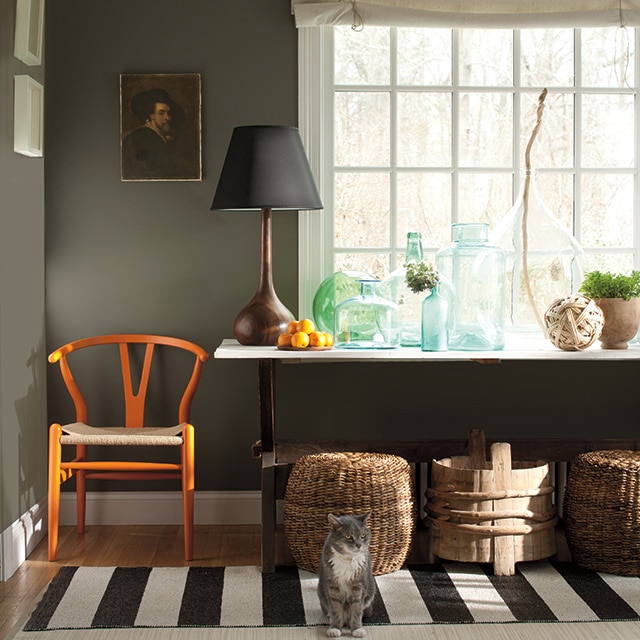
x=421, y=276
x=618, y=296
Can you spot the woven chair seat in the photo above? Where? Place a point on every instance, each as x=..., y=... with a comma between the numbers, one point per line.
x=81, y=433
x=350, y=483
x=602, y=511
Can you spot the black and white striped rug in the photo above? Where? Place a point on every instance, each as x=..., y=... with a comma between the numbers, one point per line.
x=128, y=597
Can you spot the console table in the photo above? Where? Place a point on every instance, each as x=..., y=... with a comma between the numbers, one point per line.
x=277, y=454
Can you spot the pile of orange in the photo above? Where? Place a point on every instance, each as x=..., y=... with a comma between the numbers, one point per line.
x=301, y=334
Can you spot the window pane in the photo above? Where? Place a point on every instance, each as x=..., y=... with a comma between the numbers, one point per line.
x=486, y=58
x=547, y=57
x=484, y=197
x=605, y=145
x=486, y=129
x=608, y=57
x=616, y=262
x=424, y=57
x=424, y=129
x=375, y=264
x=360, y=58
x=556, y=191
x=424, y=205
x=607, y=210
x=362, y=129
x=553, y=146
x=362, y=210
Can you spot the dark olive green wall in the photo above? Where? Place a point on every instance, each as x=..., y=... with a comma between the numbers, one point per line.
x=23, y=446
x=153, y=258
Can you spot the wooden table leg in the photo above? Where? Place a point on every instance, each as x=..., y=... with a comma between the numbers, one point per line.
x=266, y=377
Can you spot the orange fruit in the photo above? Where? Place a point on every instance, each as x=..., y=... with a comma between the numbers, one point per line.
x=328, y=339
x=317, y=339
x=300, y=340
x=284, y=340
x=306, y=325
x=292, y=327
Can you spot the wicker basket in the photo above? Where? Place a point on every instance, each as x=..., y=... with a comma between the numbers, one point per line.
x=347, y=483
x=602, y=511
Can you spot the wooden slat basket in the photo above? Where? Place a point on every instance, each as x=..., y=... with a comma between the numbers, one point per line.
x=496, y=511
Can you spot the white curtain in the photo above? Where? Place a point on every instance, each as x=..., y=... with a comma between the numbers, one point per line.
x=468, y=13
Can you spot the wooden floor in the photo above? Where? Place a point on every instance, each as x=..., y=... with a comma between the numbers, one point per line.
x=149, y=546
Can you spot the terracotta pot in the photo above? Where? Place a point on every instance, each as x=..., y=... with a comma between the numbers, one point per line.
x=621, y=321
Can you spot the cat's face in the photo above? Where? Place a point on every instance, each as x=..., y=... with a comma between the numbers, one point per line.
x=350, y=533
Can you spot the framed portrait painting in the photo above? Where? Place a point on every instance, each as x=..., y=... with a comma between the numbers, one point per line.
x=160, y=127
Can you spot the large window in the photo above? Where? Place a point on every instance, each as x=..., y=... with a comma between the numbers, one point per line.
x=414, y=129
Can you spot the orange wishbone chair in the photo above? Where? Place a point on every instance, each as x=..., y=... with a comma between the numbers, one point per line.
x=82, y=435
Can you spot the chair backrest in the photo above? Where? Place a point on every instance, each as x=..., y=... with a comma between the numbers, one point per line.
x=134, y=399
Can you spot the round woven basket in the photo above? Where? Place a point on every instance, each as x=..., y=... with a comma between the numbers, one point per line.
x=573, y=323
x=602, y=511
x=350, y=483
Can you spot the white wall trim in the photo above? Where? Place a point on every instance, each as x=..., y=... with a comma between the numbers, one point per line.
x=163, y=507
x=124, y=507
x=22, y=537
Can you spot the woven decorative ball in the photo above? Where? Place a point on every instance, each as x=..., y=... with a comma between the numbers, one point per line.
x=350, y=483
x=602, y=511
x=573, y=323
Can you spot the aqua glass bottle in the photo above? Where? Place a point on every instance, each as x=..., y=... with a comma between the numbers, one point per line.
x=367, y=321
x=435, y=331
x=394, y=287
x=477, y=272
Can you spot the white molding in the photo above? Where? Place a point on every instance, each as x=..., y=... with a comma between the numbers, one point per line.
x=315, y=228
x=22, y=537
x=163, y=507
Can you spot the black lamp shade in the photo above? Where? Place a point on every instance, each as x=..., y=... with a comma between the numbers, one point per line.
x=266, y=167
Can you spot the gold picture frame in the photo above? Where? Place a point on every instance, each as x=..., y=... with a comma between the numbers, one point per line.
x=29, y=30
x=160, y=127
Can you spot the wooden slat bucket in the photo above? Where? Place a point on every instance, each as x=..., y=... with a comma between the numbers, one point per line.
x=497, y=511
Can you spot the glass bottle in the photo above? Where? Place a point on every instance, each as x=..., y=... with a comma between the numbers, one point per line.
x=544, y=261
x=335, y=288
x=394, y=287
x=476, y=270
x=435, y=332
x=367, y=321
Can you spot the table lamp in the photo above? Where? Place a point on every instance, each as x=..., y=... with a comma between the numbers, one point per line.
x=266, y=169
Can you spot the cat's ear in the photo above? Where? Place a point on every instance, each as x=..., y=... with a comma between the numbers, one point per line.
x=363, y=517
x=333, y=521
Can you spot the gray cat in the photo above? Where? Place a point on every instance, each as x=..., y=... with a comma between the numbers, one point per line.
x=346, y=586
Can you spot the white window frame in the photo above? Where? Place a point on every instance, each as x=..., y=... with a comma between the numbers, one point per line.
x=315, y=113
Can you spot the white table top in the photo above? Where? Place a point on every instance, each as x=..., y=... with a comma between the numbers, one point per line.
x=530, y=348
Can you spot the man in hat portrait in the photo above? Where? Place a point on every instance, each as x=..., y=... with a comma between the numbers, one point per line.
x=152, y=149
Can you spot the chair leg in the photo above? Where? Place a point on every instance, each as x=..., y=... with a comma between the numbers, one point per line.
x=55, y=456
x=81, y=490
x=188, y=486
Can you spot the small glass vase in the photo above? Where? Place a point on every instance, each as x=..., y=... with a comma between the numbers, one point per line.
x=333, y=290
x=476, y=270
x=435, y=311
x=544, y=262
x=367, y=321
x=394, y=287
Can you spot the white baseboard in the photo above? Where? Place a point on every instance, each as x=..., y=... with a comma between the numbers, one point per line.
x=22, y=537
x=163, y=507
x=125, y=507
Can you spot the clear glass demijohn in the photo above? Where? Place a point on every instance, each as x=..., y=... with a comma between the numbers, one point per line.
x=544, y=261
x=476, y=270
x=367, y=321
